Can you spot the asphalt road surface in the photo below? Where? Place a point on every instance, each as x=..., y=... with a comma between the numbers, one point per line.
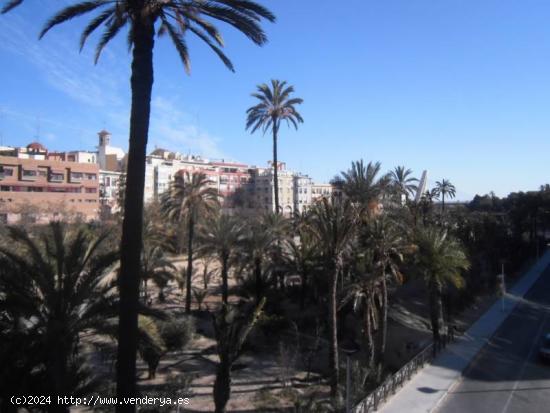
x=507, y=375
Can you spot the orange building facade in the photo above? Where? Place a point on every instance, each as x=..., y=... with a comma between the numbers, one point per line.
x=45, y=189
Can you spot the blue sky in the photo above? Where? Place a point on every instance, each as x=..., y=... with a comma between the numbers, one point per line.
x=461, y=88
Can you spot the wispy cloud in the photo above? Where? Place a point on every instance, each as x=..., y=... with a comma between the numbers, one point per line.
x=173, y=129
x=104, y=89
x=62, y=66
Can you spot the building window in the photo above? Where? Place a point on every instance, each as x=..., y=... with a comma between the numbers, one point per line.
x=91, y=177
x=76, y=176
x=7, y=171
x=56, y=177
x=29, y=174
x=91, y=190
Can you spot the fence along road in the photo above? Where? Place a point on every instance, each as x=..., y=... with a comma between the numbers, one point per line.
x=428, y=388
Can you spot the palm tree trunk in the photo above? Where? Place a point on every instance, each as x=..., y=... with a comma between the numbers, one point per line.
x=333, y=349
x=225, y=288
x=189, y=276
x=275, y=166
x=222, y=386
x=131, y=243
x=303, y=290
x=370, y=340
x=443, y=202
x=258, y=278
x=384, y=327
x=145, y=291
x=436, y=312
x=56, y=368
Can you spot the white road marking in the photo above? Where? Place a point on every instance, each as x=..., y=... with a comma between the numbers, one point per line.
x=533, y=346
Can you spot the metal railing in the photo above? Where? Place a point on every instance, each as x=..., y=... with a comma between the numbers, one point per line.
x=393, y=382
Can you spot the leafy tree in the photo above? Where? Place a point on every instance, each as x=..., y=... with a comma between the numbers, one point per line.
x=258, y=245
x=157, y=267
x=362, y=184
x=145, y=18
x=388, y=246
x=231, y=326
x=333, y=226
x=52, y=288
x=403, y=182
x=222, y=236
x=276, y=105
x=365, y=294
x=189, y=199
x=445, y=188
x=302, y=258
x=440, y=260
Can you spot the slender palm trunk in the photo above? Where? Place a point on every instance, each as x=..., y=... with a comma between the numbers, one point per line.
x=436, y=312
x=333, y=349
x=443, y=202
x=303, y=290
x=131, y=243
x=189, y=276
x=258, y=278
x=275, y=166
x=225, y=289
x=370, y=340
x=145, y=291
x=222, y=386
x=383, y=327
x=56, y=367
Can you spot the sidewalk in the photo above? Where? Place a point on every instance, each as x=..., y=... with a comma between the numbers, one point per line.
x=429, y=386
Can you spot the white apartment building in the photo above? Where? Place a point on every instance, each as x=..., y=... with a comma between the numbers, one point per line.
x=321, y=191
x=109, y=184
x=265, y=189
x=303, y=188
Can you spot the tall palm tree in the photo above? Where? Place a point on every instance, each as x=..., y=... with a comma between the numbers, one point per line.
x=276, y=105
x=258, y=245
x=388, y=245
x=52, y=288
x=222, y=236
x=363, y=185
x=145, y=18
x=157, y=267
x=440, y=259
x=403, y=182
x=187, y=201
x=302, y=257
x=333, y=226
x=445, y=188
x=364, y=293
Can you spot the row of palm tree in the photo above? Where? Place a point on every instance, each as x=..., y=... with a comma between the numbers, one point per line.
x=325, y=240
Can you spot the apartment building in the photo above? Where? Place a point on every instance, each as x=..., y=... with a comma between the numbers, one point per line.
x=264, y=184
x=321, y=191
x=228, y=178
x=303, y=187
x=33, y=185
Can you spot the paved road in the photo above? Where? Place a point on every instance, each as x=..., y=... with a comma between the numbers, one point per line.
x=507, y=376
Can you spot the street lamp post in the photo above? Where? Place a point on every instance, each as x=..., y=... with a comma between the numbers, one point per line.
x=350, y=347
x=501, y=287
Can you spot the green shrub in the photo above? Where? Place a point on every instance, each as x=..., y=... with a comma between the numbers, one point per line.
x=177, y=332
